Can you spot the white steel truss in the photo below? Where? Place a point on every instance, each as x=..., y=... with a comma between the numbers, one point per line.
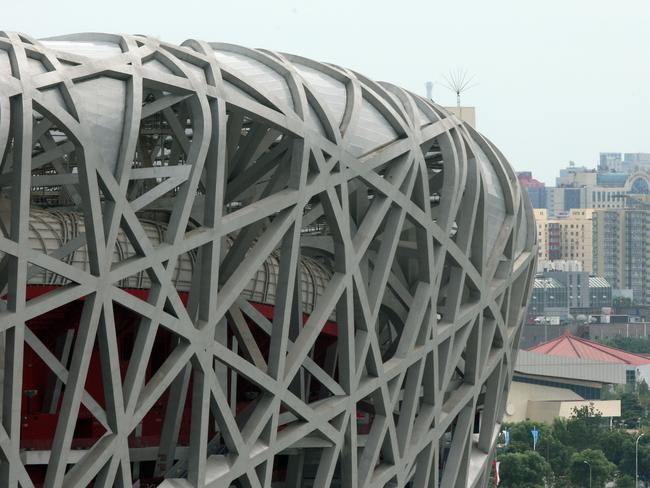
x=252, y=160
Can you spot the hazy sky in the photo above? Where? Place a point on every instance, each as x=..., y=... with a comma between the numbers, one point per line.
x=557, y=80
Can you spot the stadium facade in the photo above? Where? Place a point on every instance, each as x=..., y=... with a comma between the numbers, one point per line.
x=233, y=267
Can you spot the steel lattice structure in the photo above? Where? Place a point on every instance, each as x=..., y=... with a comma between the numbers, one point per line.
x=234, y=267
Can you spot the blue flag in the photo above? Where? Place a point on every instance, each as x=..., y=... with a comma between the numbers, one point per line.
x=506, y=433
x=535, y=433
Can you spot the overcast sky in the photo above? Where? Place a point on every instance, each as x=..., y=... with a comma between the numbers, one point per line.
x=557, y=80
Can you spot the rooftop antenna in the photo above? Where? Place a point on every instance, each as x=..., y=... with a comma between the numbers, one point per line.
x=459, y=81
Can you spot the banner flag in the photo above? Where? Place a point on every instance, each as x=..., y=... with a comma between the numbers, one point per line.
x=535, y=433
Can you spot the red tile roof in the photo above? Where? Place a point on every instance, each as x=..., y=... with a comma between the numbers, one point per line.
x=571, y=346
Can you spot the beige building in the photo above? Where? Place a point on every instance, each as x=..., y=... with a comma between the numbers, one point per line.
x=545, y=386
x=545, y=403
x=568, y=238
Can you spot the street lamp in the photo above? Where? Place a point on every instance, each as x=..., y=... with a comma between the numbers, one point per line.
x=587, y=463
x=636, y=460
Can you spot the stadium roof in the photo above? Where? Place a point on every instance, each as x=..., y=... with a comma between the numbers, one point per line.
x=571, y=346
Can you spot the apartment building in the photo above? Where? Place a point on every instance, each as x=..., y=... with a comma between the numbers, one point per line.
x=567, y=238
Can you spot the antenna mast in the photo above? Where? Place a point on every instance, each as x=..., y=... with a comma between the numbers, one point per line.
x=459, y=81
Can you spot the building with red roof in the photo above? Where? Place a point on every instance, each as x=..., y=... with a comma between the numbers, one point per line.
x=551, y=379
x=570, y=346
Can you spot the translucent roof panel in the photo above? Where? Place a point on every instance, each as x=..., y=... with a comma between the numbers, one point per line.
x=495, y=203
x=95, y=49
x=371, y=131
x=423, y=119
x=313, y=120
x=268, y=81
x=522, y=232
x=103, y=101
x=330, y=92
x=5, y=63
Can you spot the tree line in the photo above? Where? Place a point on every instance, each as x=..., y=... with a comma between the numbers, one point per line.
x=567, y=448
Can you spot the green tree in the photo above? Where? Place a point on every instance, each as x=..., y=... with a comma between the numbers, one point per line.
x=548, y=446
x=582, y=430
x=631, y=410
x=602, y=470
x=616, y=444
x=627, y=463
x=521, y=438
x=625, y=481
x=629, y=344
x=523, y=470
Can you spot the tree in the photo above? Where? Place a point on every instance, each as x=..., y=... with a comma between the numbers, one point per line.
x=629, y=344
x=602, y=470
x=523, y=470
x=631, y=410
x=616, y=444
x=582, y=430
x=627, y=463
x=556, y=453
x=521, y=438
x=625, y=481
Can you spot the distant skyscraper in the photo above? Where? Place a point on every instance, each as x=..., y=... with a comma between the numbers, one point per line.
x=636, y=161
x=610, y=161
x=621, y=249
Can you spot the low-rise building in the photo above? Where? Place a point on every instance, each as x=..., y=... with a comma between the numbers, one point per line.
x=633, y=366
x=549, y=298
x=556, y=292
x=545, y=387
x=552, y=379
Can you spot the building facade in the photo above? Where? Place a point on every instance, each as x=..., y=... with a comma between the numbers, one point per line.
x=624, y=163
x=621, y=250
x=584, y=188
x=583, y=291
x=555, y=293
x=568, y=238
x=535, y=189
x=232, y=267
x=550, y=297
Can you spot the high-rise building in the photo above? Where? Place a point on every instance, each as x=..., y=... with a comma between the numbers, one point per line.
x=576, y=176
x=636, y=161
x=588, y=189
x=623, y=163
x=621, y=249
x=567, y=238
x=610, y=161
